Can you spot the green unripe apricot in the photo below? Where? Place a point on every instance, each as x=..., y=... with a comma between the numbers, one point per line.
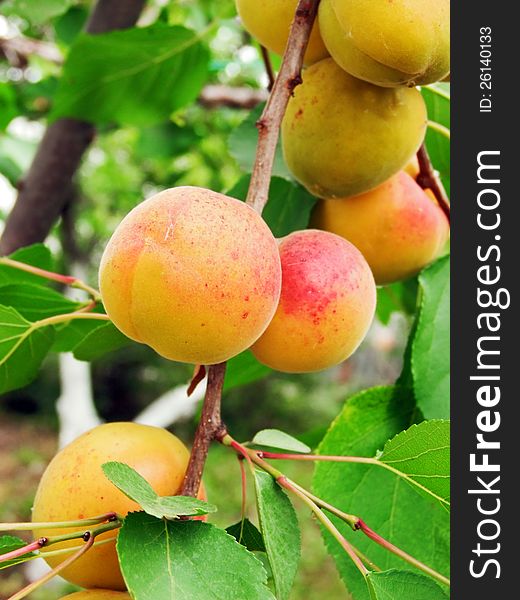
x=389, y=43
x=342, y=136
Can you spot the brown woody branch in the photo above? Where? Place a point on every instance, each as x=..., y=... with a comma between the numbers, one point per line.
x=428, y=179
x=47, y=186
x=269, y=123
x=268, y=67
x=210, y=425
x=214, y=96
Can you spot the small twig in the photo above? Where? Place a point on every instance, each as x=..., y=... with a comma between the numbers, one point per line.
x=111, y=516
x=269, y=123
x=428, y=179
x=268, y=67
x=210, y=425
x=48, y=576
x=32, y=547
x=401, y=553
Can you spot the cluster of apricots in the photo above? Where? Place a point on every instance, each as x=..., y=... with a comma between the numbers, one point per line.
x=74, y=487
x=199, y=277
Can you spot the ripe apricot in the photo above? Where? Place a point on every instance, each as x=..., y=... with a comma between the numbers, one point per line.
x=98, y=595
x=398, y=227
x=326, y=306
x=192, y=273
x=402, y=42
x=269, y=21
x=342, y=136
x=74, y=487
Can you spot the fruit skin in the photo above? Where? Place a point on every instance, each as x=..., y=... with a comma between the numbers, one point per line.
x=192, y=273
x=402, y=42
x=342, y=136
x=73, y=487
x=269, y=21
x=97, y=595
x=398, y=227
x=326, y=306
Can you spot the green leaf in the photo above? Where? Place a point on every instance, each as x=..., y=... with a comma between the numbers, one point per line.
x=37, y=255
x=22, y=349
x=9, y=543
x=401, y=585
x=248, y=535
x=437, y=100
x=398, y=297
x=289, y=206
x=187, y=560
x=422, y=454
x=35, y=11
x=280, y=530
x=388, y=504
x=275, y=438
x=70, y=335
x=242, y=146
x=136, y=76
x=35, y=302
x=244, y=369
x=133, y=485
x=430, y=351
x=100, y=341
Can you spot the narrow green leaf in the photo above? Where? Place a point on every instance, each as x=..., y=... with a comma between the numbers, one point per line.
x=133, y=485
x=100, y=341
x=389, y=505
x=248, y=535
x=35, y=302
x=275, y=438
x=430, y=350
x=422, y=455
x=401, y=585
x=136, y=76
x=438, y=106
x=22, y=349
x=280, y=530
x=187, y=560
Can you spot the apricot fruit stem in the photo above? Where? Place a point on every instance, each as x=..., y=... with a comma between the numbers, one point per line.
x=269, y=123
x=36, y=545
x=428, y=179
x=401, y=553
x=65, y=279
x=49, y=575
x=111, y=516
x=210, y=425
x=268, y=67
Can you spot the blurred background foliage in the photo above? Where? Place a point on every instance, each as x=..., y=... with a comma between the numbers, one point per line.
x=125, y=164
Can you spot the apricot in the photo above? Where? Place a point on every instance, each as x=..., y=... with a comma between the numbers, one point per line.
x=269, y=21
x=342, y=136
x=192, y=273
x=398, y=227
x=326, y=306
x=97, y=595
x=402, y=42
x=74, y=487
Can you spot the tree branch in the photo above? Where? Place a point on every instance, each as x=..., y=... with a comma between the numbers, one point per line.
x=210, y=425
x=213, y=96
x=428, y=179
x=47, y=185
x=268, y=67
x=269, y=123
